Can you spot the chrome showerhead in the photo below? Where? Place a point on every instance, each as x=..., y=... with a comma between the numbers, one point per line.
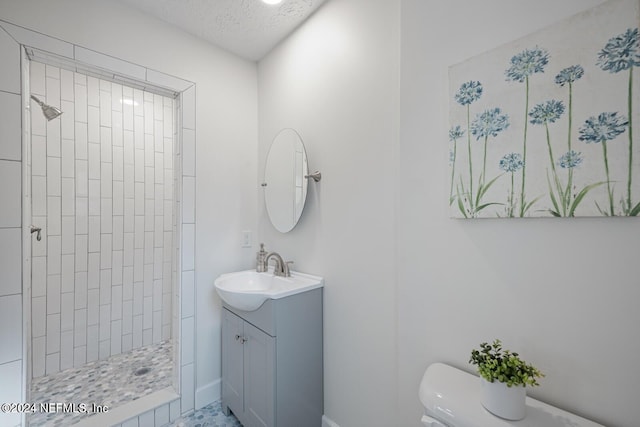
x=49, y=112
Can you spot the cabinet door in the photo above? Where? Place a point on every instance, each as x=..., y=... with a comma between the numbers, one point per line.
x=232, y=362
x=259, y=379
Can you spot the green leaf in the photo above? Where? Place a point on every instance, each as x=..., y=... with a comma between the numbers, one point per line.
x=635, y=211
x=581, y=195
x=553, y=197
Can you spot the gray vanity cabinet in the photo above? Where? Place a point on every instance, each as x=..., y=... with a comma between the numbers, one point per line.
x=272, y=362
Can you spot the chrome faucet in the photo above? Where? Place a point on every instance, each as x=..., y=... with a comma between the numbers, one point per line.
x=282, y=268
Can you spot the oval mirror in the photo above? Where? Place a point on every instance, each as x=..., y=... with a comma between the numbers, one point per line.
x=285, y=185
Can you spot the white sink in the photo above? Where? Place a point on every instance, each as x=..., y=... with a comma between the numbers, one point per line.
x=248, y=290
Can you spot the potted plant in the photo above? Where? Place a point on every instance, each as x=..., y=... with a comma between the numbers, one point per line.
x=503, y=377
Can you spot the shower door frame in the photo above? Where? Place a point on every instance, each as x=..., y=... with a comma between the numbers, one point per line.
x=184, y=238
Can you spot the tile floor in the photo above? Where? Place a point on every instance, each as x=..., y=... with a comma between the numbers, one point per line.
x=209, y=416
x=110, y=382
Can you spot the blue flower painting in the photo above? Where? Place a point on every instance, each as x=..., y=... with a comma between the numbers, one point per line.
x=545, y=125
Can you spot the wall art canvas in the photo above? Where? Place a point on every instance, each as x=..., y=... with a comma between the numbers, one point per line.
x=547, y=126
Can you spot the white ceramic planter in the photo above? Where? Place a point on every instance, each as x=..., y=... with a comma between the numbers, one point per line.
x=505, y=402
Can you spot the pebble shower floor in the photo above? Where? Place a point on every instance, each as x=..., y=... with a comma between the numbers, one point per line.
x=110, y=382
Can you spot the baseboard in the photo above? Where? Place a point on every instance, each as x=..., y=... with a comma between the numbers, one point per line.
x=327, y=422
x=208, y=393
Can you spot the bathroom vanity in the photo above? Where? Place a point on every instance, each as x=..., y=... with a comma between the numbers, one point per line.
x=272, y=373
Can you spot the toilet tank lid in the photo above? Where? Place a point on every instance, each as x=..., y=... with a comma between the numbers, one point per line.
x=452, y=396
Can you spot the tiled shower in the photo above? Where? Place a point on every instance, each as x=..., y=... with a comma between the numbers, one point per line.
x=102, y=192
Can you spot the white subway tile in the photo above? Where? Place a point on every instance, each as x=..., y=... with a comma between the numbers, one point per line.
x=93, y=124
x=159, y=168
x=118, y=163
x=68, y=197
x=92, y=343
x=105, y=144
x=159, y=199
x=188, y=293
x=158, y=233
x=80, y=103
x=93, y=271
x=105, y=322
x=138, y=102
x=137, y=331
x=174, y=410
x=37, y=78
x=139, y=198
x=68, y=235
x=54, y=218
x=80, y=330
x=9, y=217
x=116, y=302
x=94, y=160
x=79, y=356
x=81, y=290
x=187, y=337
x=105, y=251
x=168, y=184
x=105, y=108
x=139, y=231
x=53, y=176
x=127, y=317
x=38, y=275
x=149, y=155
x=53, y=333
x=138, y=132
x=118, y=198
x=158, y=136
x=162, y=415
x=168, y=215
x=117, y=135
x=53, y=72
x=166, y=308
x=10, y=261
x=148, y=280
x=187, y=388
x=166, y=332
x=116, y=337
x=138, y=298
x=80, y=79
x=82, y=178
x=129, y=187
x=139, y=166
x=118, y=233
x=53, y=137
x=128, y=247
x=39, y=247
x=116, y=268
x=68, y=274
x=106, y=183
x=147, y=336
x=38, y=155
x=148, y=117
x=148, y=247
x=157, y=297
x=167, y=120
x=54, y=255
x=10, y=328
x=81, y=142
x=188, y=247
x=188, y=199
x=157, y=327
x=68, y=159
x=149, y=185
x=81, y=252
x=94, y=233
x=53, y=363
x=149, y=214
x=127, y=342
x=53, y=295
x=129, y=215
x=94, y=197
x=106, y=215
x=147, y=313
x=38, y=355
x=157, y=264
x=138, y=265
x=104, y=348
x=168, y=153
x=167, y=278
x=67, y=121
x=67, y=312
x=93, y=309
x=105, y=288
x=116, y=97
x=38, y=316
x=127, y=282
x=128, y=147
x=93, y=91
x=66, y=350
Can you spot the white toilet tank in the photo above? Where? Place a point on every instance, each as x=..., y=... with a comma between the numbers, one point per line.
x=451, y=398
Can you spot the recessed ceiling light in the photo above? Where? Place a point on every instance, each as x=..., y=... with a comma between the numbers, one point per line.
x=272, y=1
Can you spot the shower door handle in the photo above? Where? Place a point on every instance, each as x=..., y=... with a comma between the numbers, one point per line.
x=38, y=230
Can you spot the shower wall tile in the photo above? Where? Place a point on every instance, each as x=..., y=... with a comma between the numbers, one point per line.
x=39, y=316
x=10, y=126
x=10, y=328
x=10, y=194
x=10, y=261
x=104, y=186
x=38, y=356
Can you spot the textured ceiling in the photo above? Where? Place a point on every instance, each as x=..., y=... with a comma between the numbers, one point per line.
x=248, y=28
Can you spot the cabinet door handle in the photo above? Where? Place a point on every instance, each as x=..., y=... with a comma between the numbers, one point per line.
x=241, y=339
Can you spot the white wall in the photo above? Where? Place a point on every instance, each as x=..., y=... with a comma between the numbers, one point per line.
x=564, y=293
x=226, y=135
x=336, y=82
